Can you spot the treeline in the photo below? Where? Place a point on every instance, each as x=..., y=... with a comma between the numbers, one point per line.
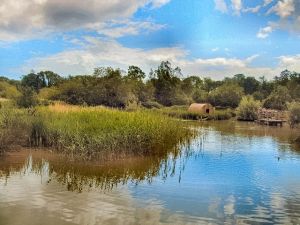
x=165, y=86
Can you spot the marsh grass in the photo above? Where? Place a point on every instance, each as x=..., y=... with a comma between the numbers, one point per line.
x=90, y=131
x=181, y=112
x=15, y=126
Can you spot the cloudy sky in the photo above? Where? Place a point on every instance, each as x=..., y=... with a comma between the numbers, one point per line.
x=213, y=38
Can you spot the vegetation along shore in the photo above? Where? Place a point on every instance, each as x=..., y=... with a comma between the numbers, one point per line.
x=121, y=113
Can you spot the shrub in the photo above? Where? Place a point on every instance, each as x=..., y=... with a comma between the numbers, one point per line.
x=294, y=113
x=27, y=99
x=227, y=95
x=8, y=91
x=247, y=109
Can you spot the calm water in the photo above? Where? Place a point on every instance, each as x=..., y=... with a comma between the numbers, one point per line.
x=234, y=173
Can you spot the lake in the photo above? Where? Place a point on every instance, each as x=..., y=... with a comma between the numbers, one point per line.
x=232, y=172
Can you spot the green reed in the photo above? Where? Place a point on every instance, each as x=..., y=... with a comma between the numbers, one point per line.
x=88, y=131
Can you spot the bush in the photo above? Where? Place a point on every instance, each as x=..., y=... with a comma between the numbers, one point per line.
x=8, y=91
x=28, y=98
x=294, y=113
x=247, y=109
x=227, y=95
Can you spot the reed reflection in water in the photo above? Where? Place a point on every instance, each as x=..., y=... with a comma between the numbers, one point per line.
x=236, y=173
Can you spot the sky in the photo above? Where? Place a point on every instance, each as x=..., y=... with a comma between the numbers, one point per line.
x=207, y=38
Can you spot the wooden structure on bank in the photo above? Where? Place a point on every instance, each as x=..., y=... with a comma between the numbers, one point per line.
x=204, y=108
x=271, y=117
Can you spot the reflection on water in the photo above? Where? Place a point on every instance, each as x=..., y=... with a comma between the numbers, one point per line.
x=235, y=173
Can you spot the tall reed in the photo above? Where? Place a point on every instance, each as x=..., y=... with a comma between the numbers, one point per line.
x=88, y=131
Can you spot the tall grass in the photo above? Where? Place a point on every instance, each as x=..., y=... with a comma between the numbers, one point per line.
x=15, y=126
x=89, y=131
x=181, y=112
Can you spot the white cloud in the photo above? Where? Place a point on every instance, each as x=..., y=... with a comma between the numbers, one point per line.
x=159, y=3
x=97, y=52
x=252, y=9
x=264, y=32
x=283, y=8
x=215, y=49
x=26, y=19
x=237, y=6
x=221, y=6
x=290, y=62
x=118, y=29
x=267, y=2
x=288, y=12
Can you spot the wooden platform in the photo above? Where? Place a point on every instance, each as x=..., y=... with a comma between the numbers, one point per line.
x=271, y=117
x=271, y=122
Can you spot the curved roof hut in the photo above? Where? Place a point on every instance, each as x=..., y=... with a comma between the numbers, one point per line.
x=204, y=108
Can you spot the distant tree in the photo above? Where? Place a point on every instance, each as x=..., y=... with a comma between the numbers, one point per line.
x=264, y=90
x=200, y=96
x=40, y=80
x=209, y=84
x=250, y=85
x=107, y=72
x=135, y=73
x=278, y=99
x=146, y=92
x=283, y=78
x=167, y=85
x=50, y=78
x=227, y=95
x=191, y=84
x=34, y=81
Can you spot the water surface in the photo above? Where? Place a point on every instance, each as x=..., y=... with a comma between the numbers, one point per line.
x=234, y=173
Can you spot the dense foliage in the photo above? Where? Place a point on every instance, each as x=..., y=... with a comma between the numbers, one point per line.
x=248, y=108
x=294, y=109
x=164, y=86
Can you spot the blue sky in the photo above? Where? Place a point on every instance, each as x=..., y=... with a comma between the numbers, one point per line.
x=208, y=38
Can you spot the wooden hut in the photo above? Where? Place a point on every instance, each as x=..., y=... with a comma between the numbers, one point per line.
x=203, y=108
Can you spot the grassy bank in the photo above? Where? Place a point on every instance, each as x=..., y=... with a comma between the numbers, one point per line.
x=181, y=112
x=89, y=131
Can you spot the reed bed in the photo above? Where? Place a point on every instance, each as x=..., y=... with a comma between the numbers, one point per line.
x=88, y=131
x=181, y=112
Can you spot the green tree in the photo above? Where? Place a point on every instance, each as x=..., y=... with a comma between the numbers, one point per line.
x=41, y=80
x=209, y=84
x=227, y=95
x=250, y=85
x=135, y=73
x=50, y=78
x=34, y=81
x=167, y=85
x=278, y=99
x=191, y=84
